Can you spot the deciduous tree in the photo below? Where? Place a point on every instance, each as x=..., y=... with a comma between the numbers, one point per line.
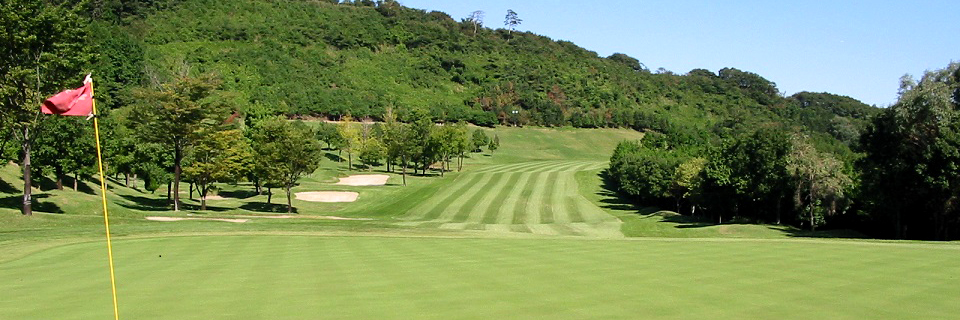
x=217, y=156
x=44, y=49
x=173, y=113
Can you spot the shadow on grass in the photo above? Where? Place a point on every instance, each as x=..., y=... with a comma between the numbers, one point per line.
x=7, y=187
x=160, y=204
x=610, y=199
x=146, y=203
x=44, y=183
x=266, y=207
x=823, y=234
x=238, y=194
x=85, y=186
x=333, y=157
x=16, y=202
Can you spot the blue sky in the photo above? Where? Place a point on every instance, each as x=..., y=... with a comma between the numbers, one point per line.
x=853, y=48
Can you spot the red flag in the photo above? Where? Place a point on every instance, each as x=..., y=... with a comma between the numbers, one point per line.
x=76, y=102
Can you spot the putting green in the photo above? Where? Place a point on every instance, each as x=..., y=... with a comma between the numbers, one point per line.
x=313, y=277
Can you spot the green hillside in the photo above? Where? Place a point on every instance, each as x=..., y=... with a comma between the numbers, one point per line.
x=323, y=59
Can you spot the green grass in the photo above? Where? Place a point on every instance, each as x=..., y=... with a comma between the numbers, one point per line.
x=526, y=232
x=312, y=277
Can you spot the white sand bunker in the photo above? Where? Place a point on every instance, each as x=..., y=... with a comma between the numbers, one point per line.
x=169, y=219
x=365, y=180
x=328, y=196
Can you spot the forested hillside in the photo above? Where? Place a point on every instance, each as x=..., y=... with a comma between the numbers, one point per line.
x=245, y=61
x=320, y=58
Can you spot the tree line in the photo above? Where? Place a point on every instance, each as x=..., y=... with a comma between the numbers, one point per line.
x=329, y=59
x=178, y=121
x=899, y=180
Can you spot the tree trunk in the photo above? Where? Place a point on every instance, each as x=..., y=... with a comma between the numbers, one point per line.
x=813, y=224
x=177, y=158
x=289, y=201
x=404, y=166
x=27, y=199
x=76, y=177
x=134, y=180
x=191, y=191
x=202, y=190
x=59, y=173
x=349, y=160
x=269, y=195
x=779, y=200
x=126, y=179
x=169, y=184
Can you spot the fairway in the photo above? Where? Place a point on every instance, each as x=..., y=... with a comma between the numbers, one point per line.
x=314, y=277
x=539, y=197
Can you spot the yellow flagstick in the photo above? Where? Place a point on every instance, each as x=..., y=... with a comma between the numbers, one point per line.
x=103, y=195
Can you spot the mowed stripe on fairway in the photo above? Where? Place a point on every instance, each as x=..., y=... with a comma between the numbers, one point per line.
x=539, y=197
x=314, y=277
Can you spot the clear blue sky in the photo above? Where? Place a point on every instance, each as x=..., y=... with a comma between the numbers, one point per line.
x=853, y=48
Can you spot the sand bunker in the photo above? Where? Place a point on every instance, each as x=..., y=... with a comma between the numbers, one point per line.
x=328, y=196
x=169, y=219
x=365, y=180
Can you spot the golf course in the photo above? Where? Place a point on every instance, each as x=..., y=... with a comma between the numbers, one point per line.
x=524, y=232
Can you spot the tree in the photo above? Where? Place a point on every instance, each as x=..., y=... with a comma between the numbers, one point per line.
x=64, y=145
x=291, y=149
x=218, y=156
x=327, y=133
x=372, y=152
x=476, y=19
x=747, y=175
x=349, y=137
x=396, y=138
x=174, y=112
x=461, y=143
x=686, y=181
x=819, y=179
x=494, y=144
x=479, y=139
x=911, y=171
x=511, y=21
x=418, y=143
x=44, y=49
x=629, y=61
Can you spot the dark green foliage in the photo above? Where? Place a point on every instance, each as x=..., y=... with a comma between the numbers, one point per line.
x=842, y=117
x=325, y=59
x=911, y=172
x=65, y=147
x=641, y=171
x=629, y=61
x=766, y=175
x=284, y=152
x=44, y=50
x=479, y=139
